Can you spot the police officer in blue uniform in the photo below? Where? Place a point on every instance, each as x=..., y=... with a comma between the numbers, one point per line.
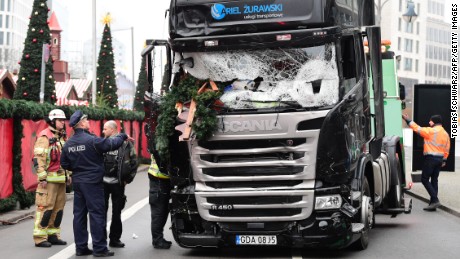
x=83, y=155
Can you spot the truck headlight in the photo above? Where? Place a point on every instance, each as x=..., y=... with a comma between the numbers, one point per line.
x=328, y=202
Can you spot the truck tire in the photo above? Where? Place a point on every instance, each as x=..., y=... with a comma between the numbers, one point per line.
x=367, y=217
x=396, y=195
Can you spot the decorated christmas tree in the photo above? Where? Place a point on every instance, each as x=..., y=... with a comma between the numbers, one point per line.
x=28, y=84
x=140, y=89
x=106, y=83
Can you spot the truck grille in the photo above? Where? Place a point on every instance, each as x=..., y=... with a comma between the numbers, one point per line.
x=257, y=176
x=255, y=213
x=252, y=171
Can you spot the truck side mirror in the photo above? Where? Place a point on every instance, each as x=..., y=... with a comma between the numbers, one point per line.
x=147, y=54
x=402, y=91
x=162, y=56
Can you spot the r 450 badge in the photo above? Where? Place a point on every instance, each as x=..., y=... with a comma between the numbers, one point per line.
x=222, y=207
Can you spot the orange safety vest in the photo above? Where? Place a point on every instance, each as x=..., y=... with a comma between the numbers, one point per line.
x=436, y=140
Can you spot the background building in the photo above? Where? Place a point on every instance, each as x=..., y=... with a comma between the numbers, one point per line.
x=14, y=21
x=422, y=47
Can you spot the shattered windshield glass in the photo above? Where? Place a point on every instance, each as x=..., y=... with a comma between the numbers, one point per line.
x=268, y=78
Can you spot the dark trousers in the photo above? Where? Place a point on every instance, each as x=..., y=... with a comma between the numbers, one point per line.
x=159, y=195
x=431, y=167
x=118, y=204
x=89, y=198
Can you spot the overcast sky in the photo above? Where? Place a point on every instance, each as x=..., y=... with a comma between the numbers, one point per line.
x=146, y=16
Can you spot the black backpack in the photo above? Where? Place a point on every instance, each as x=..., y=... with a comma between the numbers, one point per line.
x=126, y=162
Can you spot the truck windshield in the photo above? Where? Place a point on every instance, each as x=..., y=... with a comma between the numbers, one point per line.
x=269, y=78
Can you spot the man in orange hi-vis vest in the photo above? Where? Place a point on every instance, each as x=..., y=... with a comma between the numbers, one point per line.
x=436, y=148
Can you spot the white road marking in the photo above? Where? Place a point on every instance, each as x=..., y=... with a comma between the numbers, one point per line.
x=69, y=251
x=296, y=253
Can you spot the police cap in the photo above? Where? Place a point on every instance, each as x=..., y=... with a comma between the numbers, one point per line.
x=76, y=117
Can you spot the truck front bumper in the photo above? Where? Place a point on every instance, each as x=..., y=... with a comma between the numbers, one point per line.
x=331, y=230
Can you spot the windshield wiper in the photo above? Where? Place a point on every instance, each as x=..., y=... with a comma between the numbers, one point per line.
x=293, y=104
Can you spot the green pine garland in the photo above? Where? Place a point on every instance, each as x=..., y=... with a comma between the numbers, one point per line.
x=205, y=122
x=29, y=110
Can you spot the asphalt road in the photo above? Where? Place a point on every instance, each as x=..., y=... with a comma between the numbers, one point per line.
x=417, y=235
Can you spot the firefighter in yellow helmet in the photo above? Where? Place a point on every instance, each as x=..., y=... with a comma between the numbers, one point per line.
x=50, y=195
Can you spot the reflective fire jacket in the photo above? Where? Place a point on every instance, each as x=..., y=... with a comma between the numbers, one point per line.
x=47, y=156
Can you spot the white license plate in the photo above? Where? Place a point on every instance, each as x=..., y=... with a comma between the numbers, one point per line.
x=255, y=240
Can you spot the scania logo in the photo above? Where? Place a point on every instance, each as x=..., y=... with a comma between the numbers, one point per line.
x=249, y=126
x=218, y=11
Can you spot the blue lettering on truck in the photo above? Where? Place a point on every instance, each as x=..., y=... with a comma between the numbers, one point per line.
x=220, y=11
x=248, y=9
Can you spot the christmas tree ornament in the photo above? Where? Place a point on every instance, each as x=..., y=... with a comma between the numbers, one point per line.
x=36, y=13
x=23, y=79
x=33, y=29
x=25, y=93
x=27, y=56
x=34, y=40
x=41, y=31
x=36, y=70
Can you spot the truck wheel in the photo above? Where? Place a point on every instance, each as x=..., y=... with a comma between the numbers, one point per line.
x=367, y=217
x=396, y=192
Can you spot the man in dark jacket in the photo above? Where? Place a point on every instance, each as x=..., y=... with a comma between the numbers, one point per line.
x=83, y=155
x=120, y=169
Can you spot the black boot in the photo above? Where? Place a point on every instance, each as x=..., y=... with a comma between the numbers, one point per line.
x=87, y=251
x=116, y=243
x=43, y=244
x=56, y=241
x=162, y=244
x=104, y=254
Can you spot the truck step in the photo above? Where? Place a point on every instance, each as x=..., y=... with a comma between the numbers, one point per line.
x=357, y=227
x=393, y=211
